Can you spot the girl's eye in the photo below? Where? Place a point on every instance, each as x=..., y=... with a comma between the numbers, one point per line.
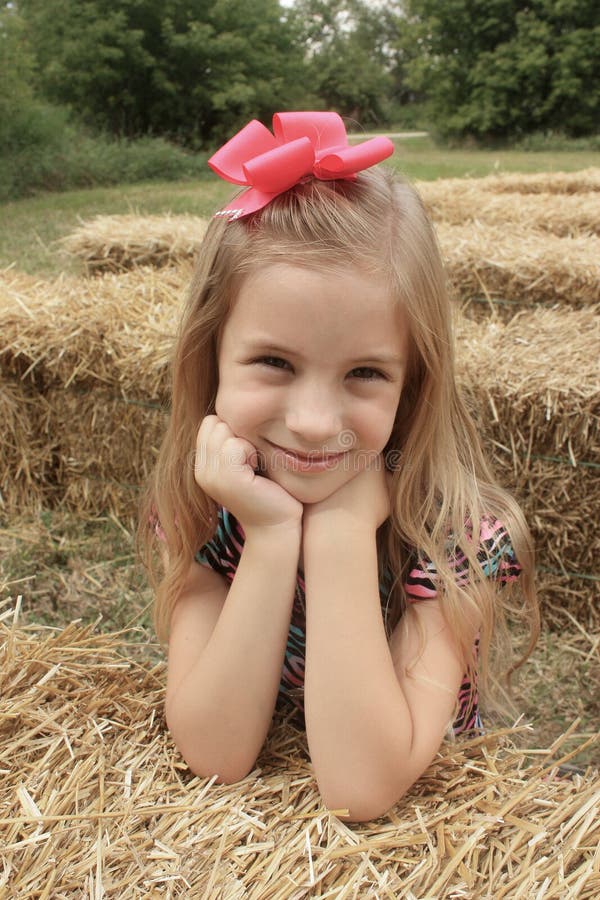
x=366, y=373
x=273, y=362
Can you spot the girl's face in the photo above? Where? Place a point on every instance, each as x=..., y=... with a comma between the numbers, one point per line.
x=311, y=367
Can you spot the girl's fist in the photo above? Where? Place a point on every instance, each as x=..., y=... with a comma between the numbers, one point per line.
x=225, y=467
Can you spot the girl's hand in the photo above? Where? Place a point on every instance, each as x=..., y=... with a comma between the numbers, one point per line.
x=225, y=468
x=362, y=502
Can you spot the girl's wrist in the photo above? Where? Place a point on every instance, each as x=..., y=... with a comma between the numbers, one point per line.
x=335, y=525
x=285, y=536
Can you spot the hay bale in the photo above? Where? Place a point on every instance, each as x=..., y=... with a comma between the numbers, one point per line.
x=26, y=456
x=534, y=387
x=114, y=331
x=107, y=452
x=518, y=240
x=95, y=799
x=584, y=181
x=118, y=243
x=466, y=202
x=85, y=365
x=560, y=504
x=536, y=380
x=521, y=265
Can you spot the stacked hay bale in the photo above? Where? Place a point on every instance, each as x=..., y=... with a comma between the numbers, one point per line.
x=512, y=241
x=85, y=366
x=95, y=801
x=529, y=244
x=534, y=389
x=509, y=241
x=84, y=377
x=509, y=267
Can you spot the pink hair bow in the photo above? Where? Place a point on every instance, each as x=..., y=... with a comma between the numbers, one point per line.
x=302, y=144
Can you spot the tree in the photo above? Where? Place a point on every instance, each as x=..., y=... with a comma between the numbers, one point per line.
x=16, y=62
x=190, y=69
x=503, y=68
x=348, y=66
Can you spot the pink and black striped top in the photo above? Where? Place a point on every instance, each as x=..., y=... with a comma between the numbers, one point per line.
x=495, y=555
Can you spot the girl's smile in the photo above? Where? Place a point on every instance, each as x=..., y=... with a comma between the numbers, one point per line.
x=311, y=368
x=299, y=461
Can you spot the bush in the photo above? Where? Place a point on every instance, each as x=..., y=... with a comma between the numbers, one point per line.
x=408, y=117
x=42, y=150
x=556, y=142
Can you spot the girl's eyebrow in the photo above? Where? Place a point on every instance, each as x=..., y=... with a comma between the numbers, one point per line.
x=266, y=345
x=380, y=359
x=255, y=345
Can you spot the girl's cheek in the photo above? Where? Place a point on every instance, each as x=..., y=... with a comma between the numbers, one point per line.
x=243, y=411
x=374, y=426
x=226, y=406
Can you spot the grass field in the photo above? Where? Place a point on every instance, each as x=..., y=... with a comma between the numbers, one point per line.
x=66, y=568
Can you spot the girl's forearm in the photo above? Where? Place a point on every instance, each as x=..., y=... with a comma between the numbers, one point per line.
x=221, y=712
x=358, y=722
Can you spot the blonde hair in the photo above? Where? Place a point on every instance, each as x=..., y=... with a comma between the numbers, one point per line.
x=442, y=486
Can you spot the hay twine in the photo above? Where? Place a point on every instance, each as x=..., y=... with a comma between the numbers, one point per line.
x=96, y=802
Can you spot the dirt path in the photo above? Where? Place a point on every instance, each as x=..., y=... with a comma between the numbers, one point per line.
x=361, y=136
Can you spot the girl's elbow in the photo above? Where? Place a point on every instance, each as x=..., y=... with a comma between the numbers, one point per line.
x=225, y=775
x=374, y=794
x=361, y=809
x=369, y=803
x=224, y=771
x=205, y=762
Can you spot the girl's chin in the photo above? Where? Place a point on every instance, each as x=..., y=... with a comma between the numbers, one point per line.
x=305, y=489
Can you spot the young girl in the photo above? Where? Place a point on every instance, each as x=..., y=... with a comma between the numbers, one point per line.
x=331, y=534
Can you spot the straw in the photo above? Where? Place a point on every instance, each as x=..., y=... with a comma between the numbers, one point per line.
x=118, y=243
x=518, y=264
x=581, y=182
x=459, y=203
x=96, y=801
x=112, y=331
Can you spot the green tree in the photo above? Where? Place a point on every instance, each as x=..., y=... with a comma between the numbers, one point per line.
x=16, y=62
x=346, y=55
x=503, y=68
x=190, y=69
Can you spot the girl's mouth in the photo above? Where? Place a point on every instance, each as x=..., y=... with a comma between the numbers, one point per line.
x=300, y=461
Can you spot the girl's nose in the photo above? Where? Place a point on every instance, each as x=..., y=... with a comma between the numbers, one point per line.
x=314, y=416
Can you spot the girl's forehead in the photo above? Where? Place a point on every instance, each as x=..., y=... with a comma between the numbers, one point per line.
x=347, y=308
x=289, y=281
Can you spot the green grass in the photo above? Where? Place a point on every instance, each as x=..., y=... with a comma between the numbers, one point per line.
x=420, y=158
x=66, y=567
x=30, y=228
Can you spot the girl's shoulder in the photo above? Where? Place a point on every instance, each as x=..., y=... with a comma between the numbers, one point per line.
x=495, y=554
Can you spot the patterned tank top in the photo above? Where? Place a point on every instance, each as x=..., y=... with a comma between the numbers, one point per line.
x=497, y=559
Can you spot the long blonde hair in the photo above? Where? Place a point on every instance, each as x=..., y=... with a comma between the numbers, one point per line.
x=442, y=486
